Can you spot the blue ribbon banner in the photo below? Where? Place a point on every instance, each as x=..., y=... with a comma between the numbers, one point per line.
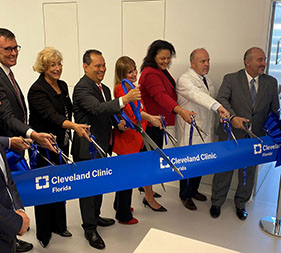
x=93, y=177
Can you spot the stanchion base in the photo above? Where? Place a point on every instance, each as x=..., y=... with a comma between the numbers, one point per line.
x=271, y=225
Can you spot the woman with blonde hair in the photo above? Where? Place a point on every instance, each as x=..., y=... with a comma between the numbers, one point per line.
x=51, y=111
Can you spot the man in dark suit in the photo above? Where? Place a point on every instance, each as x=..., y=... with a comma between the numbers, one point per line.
x=249, y=95
x=92, y=105
x=13, y=220
x=13, y=114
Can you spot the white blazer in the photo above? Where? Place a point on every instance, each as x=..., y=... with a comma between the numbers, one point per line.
x=194, y=96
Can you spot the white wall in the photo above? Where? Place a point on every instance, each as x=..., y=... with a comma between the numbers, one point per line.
x=225, y=28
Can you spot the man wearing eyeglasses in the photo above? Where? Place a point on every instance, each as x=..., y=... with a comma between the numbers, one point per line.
x=13, y=112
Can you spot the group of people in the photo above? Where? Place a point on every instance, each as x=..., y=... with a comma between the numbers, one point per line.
x=247, y=96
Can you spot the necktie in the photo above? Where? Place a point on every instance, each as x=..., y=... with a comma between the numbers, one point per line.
x=253, y=91
x=100, y=88
x=16, y=88
x=205, y=82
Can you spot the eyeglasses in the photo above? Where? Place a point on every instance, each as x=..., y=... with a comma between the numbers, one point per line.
x=9, y=50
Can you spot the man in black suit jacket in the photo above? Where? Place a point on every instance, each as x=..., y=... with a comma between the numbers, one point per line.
x=13, y=114
x=92, y=105
x=249, y=95
x=13, y=220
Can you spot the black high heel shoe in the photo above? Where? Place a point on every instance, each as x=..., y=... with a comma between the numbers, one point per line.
x=155, y=195
x=160, y=209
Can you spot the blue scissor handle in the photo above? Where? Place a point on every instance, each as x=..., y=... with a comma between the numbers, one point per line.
x=135, y=109
x=126, y=118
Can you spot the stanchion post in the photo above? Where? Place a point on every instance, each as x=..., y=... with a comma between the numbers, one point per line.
x=270, y=224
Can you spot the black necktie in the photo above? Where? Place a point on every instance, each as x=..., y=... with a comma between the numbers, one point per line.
x=205, y=82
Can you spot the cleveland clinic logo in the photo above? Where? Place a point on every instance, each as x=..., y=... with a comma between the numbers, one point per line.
x=42, y=182
x=257, y=149
x=164, y=164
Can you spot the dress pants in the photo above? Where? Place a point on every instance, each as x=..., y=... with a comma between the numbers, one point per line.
x=122, y=204
x=90, y=211
x=50, y=218
x=221, y=185
x=89, y=208
x=189, y=187
x=7, y=245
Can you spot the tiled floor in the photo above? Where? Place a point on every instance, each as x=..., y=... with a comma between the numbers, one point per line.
x=227, y=231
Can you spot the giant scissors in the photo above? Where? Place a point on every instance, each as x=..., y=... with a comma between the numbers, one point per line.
x=34, y=149
x=249, y=132
x=60, y=152
x=227, y=125
x=198, y=129
x=96, y=145
x=149, y=143
x=166, y=133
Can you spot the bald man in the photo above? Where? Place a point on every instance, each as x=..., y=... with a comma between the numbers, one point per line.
x=195, y=93
x=249, y=95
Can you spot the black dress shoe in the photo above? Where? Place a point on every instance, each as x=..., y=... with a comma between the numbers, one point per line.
x=189, y=204
x=215, y=211
x=95, y=240
x=160, y=209
x=105, y=222
x=199, y=196
x=22, y=246
x=155, y=195
x=44, y=244
x=241, y=213
x=66, y=233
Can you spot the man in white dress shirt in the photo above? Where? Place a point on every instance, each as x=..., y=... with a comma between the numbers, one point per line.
x=195, y=93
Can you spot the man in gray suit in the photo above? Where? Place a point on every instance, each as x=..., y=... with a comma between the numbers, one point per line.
x=249, y=95
x=92, y=105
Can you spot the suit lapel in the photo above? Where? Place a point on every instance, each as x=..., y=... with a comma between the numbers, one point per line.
x=9, y=86
x=106, y=93
x=245, y=88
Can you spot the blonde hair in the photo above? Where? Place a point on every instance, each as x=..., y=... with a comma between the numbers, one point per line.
x=122, y=67
x=45, y=57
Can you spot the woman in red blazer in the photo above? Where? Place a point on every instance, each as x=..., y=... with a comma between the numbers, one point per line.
x=129, y=141
x=158, y=92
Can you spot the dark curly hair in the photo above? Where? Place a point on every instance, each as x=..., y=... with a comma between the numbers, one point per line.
x=153, y=50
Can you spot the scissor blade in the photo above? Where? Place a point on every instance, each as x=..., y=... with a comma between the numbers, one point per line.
x=162, y=154
x=66, y=158
x=199, y=132
x=252, y=135
x=234, y=138
x=46, y=159
x=147, y=139
x=100, y=150
x=171, y=137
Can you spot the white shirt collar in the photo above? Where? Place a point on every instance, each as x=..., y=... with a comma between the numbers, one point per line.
x=250, y=78
x=5, y=69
